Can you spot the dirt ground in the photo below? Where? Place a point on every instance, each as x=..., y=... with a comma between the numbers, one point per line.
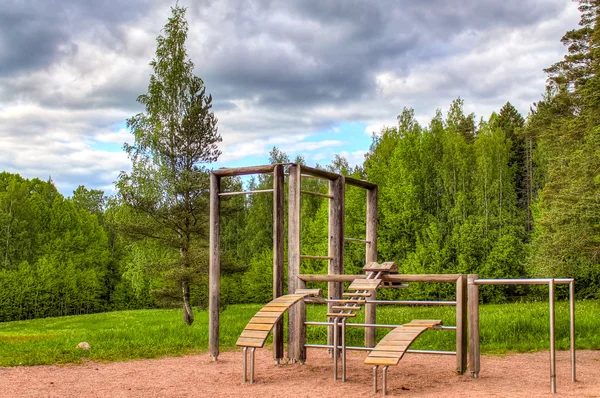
x=518, y=375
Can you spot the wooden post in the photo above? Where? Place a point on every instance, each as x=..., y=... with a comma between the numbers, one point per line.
x=294, y=315
x=461, y=324
x=214, y=274
x=278, y=256
x=371, y=256
x=336, y=242
x=473, y=304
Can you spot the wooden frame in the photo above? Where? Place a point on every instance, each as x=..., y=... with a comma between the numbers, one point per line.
x=335, y=257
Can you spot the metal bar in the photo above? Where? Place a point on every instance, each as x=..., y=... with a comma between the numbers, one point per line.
x=252, y=365
x=245, y=364
x=384, y=380
x=538, y=281
x=572, y=328
x=322, y=195
x=552, y=339
x=343, y=350
x=354, y=348
x=357, y=240
x=316, y=257
x=245, y=192
x=411, y=302
x=373, y=325
x=335, y=348
x=375, y=379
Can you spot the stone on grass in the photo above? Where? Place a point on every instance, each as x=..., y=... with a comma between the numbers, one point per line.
x=84, y=345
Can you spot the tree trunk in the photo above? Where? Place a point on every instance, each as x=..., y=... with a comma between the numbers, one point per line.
x=188, y=314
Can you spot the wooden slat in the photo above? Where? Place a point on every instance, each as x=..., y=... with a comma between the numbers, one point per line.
x=309, y=292
x=238, y=171
x=259, y=326
x=365, y=284
x=346, y=308
x=386, y=354
x=356, y=294
x=274, y=309
x=250, y=342
x=351, y=301
x=381, y=361
x=389, y=266
x=261, y=314
x=257, y=334
x=391, y=347
x=332, y=314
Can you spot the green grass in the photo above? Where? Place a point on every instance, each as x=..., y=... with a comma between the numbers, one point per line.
x=124, y=335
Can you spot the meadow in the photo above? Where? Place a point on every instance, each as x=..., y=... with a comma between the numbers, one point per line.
x=125, y=335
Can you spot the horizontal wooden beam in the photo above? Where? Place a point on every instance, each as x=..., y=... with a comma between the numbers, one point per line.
x=240, y=171
x=360, y=183
x=385, y=278
x=319, y=173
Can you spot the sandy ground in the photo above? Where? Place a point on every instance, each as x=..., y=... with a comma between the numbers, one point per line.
x=519, y=375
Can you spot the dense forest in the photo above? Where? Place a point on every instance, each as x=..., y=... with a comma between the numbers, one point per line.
x=507, y=196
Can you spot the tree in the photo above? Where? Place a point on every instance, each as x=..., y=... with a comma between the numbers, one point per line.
x=175, y=135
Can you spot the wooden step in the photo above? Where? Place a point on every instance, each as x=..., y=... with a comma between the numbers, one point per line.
x=346, y=308
x=356, y=294
x=423, y=323
x=389, y=267
x=339, y=315
x=365, y=284
x=309, y=292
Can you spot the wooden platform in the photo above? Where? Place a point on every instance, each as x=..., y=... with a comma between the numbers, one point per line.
x=257, y=330
x=365, y=284
x=393, y=346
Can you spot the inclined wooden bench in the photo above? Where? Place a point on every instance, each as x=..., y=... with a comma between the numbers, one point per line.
x=257, y=330
x=390, y=350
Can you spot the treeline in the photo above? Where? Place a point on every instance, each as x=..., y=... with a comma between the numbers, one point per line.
x=503, y=197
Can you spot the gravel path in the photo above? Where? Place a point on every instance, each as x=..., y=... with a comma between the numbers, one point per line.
x=517, y=375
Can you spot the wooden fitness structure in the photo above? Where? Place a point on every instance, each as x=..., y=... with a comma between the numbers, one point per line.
x=342, y=306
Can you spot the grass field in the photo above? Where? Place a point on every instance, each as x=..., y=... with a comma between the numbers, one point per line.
x=124, y=335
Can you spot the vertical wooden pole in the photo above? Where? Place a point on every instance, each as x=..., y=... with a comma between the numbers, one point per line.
x=278, y=256
x=461, y=324
x=294, y=315
x=214, y=274
x=371, y=256
x=336, y=241
x=473, y=304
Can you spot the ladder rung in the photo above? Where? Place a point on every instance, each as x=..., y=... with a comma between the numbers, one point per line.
x=346, y=308
x=357, y=294
x=340, y=315
x=351, y=301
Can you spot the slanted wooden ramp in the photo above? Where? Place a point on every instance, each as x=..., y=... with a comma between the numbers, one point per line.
x=257, y=330
x=393, y=346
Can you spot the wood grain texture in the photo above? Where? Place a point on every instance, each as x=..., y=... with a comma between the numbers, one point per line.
x=293, y=258
x=278, y=246
x=214, y=273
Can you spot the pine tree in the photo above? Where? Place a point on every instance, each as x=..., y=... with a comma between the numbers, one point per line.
x=175, y=135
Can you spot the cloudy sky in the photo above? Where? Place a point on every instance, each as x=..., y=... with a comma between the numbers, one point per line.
x=312, y=77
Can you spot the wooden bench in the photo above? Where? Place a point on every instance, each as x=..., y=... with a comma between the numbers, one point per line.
x=257, y=331
x=390, y=350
